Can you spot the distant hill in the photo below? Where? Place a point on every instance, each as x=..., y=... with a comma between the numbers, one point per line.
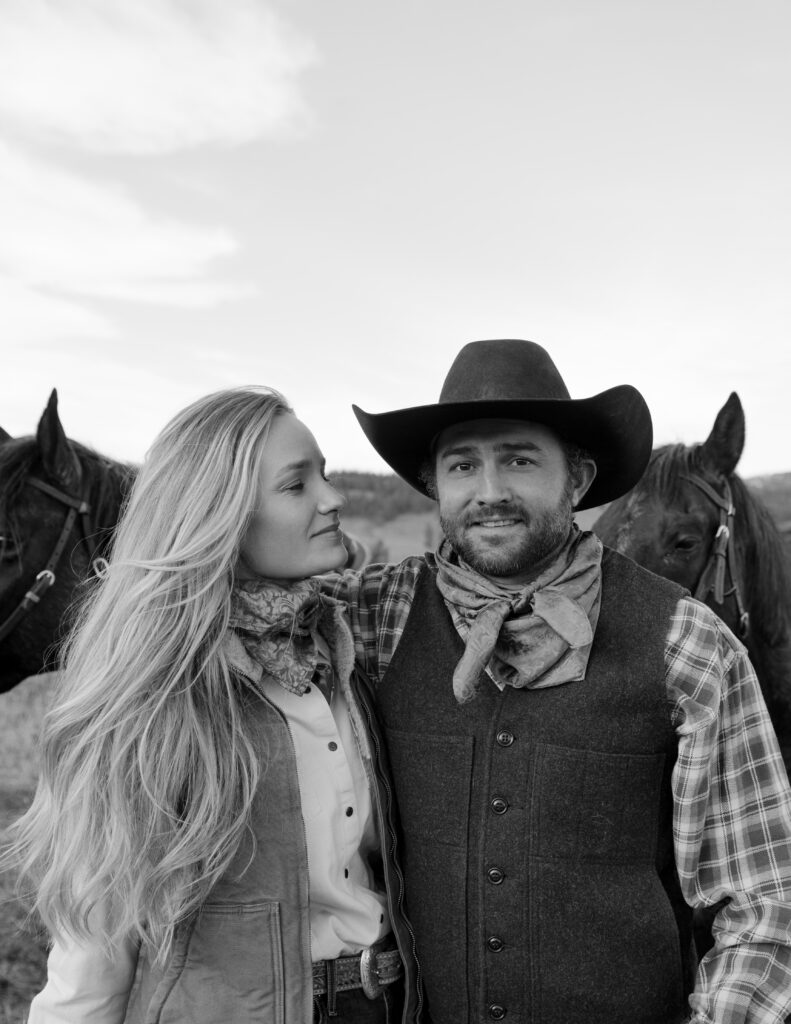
x=379, y=497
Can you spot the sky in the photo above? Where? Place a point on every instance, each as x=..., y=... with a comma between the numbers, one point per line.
x=333, y=198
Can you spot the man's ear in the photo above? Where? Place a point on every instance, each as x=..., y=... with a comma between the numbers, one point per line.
x=585, y=475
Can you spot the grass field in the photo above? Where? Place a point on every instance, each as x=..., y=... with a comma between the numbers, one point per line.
x=22, y=952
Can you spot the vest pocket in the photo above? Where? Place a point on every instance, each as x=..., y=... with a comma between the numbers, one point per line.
x=591, y=805
x=227, y=967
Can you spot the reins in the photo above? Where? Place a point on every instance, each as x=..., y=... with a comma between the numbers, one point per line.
x=46, y=578
x=722, y=559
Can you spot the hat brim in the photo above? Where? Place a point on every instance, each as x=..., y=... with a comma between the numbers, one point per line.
x=613, y=426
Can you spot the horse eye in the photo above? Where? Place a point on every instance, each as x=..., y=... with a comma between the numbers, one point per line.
x=7, y=548
x=685, y=544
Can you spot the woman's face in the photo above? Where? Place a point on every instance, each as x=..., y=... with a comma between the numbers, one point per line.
x=295, y=529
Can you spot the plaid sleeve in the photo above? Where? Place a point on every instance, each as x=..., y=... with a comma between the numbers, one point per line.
x=732, y=821
x=378, y=598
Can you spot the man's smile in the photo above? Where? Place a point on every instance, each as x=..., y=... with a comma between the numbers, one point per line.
x=495, y=524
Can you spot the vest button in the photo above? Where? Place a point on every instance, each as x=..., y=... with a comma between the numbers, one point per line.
x=496, y=1012
x=499, y=806
x=495, y=876
x=505, y=739
x=495, y=944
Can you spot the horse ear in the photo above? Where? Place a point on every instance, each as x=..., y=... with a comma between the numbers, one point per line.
x=4, y=435
x=723, y=448
x=60, y=462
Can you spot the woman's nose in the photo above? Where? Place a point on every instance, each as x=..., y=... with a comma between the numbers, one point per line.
x=331, y=499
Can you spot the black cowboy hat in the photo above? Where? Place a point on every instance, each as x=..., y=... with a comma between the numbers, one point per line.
x=517, y=380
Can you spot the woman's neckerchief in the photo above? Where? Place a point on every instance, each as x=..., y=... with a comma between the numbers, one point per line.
x=281, y=628
x=537, y=635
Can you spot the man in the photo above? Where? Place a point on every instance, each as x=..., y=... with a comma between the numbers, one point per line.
x=581, y=752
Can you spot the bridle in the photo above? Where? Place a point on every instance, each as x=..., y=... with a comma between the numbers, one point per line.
x=46, y=578
x=722, y=559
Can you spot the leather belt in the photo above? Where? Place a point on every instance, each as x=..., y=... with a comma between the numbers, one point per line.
x=369, y=970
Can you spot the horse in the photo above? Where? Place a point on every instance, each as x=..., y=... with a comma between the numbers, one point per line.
x=693, y=520
x=59, y=506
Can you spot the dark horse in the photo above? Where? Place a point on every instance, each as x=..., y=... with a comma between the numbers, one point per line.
x=59, y=504
x=692, y=520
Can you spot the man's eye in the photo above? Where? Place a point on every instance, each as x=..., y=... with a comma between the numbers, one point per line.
x=522, y=460
x=461, y=467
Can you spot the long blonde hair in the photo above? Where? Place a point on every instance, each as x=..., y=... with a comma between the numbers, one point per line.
x=148, y=772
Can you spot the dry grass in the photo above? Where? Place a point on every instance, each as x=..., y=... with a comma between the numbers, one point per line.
x=22, y=951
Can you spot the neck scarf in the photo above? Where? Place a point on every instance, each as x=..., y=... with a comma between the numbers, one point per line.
x=535, y=636
x=281, y=626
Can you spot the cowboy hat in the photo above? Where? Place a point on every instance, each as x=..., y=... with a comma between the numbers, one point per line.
x=517, y=380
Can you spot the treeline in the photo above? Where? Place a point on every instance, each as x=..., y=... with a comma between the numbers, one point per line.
x=378, y=496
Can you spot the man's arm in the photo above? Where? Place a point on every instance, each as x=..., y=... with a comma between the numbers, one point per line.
x=378, y=598
x=732, y=822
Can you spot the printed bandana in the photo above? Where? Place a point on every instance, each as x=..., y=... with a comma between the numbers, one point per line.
x=278, y=626
x=534, y=636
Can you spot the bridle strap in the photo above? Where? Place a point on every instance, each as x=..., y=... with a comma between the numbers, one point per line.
x=722, y=559
x=46, y=578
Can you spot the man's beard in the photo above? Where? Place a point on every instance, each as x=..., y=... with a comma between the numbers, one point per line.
x=546, y=533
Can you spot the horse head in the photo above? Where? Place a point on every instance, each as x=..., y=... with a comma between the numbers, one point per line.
x=59, y=502
x=675, y=522
x=667, y=523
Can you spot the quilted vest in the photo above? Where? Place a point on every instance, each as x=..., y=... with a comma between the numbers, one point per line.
x=538, y=854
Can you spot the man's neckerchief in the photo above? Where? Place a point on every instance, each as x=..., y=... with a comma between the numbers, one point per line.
x=536, y=635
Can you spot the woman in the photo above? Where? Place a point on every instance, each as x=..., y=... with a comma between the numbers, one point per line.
x=212, y=838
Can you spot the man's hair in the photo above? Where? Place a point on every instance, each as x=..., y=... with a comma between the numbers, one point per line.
x=573, y=454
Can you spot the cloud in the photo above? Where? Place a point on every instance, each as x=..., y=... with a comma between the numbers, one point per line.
x=33, y=317
x=73, y=234
x=150, y=76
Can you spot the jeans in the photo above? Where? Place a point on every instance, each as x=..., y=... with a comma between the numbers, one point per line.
x=354, y=1007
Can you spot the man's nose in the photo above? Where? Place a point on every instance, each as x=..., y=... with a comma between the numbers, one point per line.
x=492, y=486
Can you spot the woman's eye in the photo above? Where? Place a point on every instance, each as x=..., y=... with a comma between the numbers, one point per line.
x=296, y=486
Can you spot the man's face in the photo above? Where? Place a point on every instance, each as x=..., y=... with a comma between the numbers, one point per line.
x=505, y=495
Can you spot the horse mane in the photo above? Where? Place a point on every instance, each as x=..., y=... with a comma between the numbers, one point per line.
x=758, y=542
x=104, y=480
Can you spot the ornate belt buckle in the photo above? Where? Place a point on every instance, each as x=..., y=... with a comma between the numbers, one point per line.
x=369, y=976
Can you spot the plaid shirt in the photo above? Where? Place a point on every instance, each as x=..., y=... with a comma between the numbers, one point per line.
x=732, y=804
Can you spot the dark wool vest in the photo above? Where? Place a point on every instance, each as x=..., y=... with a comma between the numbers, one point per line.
x=538, y=853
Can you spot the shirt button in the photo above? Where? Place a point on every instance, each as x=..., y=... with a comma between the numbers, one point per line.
x=496, y=1012
x=349, y=812
x=495, y=944
x=505, y=739
x=332, y=745
x=499, y=805
x=495, y=876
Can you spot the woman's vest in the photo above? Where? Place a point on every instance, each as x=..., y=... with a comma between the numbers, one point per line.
x=245, y=958
x=538, y=852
